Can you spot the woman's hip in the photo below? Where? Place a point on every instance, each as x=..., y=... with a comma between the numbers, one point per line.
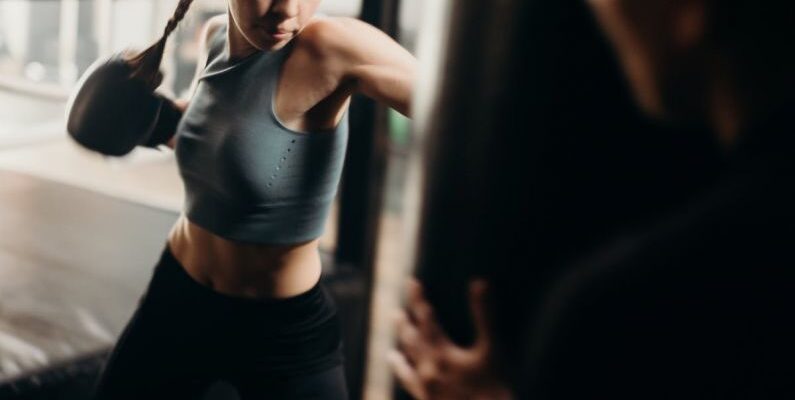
x=299, y=333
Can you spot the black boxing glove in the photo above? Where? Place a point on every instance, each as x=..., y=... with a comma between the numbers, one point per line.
x=166, y=125
x=111, y=113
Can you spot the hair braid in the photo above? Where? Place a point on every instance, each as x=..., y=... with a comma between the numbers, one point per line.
x=146, y=65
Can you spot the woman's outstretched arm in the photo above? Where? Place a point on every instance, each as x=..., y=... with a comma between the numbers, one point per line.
x=365, y=60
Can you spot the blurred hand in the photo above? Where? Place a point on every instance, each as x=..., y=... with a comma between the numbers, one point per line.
x=431, y=366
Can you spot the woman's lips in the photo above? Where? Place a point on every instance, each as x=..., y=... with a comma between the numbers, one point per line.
x=280, y=35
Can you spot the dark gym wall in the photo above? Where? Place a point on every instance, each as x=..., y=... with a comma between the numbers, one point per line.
x=536, y=156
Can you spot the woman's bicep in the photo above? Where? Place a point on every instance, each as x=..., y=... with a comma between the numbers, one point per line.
x=382, y=68
x=361, y=55
x=386, y=84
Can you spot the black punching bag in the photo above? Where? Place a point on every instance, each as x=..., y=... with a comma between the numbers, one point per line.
x=478, y=160
x=534, y=156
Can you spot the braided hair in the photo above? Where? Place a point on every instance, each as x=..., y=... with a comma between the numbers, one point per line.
x=146, y=65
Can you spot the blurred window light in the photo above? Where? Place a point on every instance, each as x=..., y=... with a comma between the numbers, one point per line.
x=51, y=42
x=35, y=71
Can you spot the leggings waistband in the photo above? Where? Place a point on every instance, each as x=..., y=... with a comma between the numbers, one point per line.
x=171, y=283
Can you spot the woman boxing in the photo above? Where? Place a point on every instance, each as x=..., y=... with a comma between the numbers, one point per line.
x=236, y=296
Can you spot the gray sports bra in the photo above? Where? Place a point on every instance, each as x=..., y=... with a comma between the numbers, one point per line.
x=247, y=177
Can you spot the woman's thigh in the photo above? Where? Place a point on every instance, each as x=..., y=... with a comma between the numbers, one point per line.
x=148, y=362
x=184, y=337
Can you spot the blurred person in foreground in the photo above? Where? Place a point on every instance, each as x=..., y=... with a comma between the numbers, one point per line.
x=697, y=304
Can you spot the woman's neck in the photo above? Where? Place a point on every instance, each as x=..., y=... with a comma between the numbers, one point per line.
x=237, y=45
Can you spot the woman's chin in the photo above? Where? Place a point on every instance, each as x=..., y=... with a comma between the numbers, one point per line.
x=271, y=44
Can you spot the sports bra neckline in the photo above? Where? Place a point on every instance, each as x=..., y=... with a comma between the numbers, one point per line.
x=218, y=61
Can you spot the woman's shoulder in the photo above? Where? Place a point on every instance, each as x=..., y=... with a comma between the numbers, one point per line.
x=213, y=25
x=332, y=36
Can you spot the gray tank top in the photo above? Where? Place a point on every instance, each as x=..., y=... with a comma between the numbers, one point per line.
x=247, y=177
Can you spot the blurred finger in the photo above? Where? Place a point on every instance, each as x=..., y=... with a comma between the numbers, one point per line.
x=422, y=312
x=406, y=374
x=415, y=298
x=478, y=289
x=408, y=336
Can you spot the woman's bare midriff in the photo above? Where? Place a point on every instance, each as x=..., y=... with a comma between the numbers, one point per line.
x=244, y=269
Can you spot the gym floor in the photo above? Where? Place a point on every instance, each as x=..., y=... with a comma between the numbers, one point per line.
x=79, y=234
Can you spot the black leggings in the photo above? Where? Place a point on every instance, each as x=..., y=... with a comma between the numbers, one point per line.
x=186, y=338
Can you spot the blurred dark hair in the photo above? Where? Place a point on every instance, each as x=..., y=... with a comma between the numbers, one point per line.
x=146, y=65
